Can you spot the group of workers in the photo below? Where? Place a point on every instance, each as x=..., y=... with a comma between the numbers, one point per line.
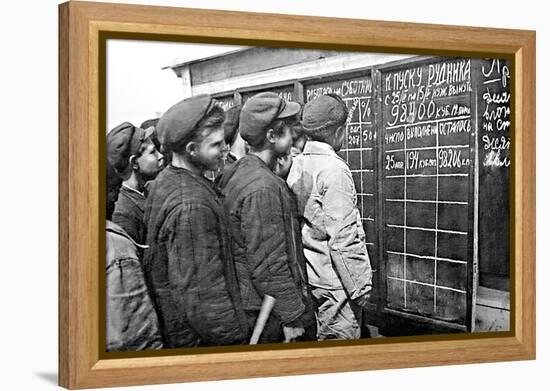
x=210, y=212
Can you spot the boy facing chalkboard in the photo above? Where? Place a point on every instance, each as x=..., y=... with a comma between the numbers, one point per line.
x=338, y=266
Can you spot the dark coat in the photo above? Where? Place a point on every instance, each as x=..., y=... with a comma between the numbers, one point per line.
x=132, y=322
x=266, y=241
x=128, y=213
x=188, y=264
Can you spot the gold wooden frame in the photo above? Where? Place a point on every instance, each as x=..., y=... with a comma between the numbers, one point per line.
x=80, y=233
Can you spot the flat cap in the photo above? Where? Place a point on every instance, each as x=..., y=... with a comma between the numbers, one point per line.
x=178, y=123
x=323, y=111
x=260, y=111
x=149, y=122
x=124, y=141
x=152, y=123
x=231, y=124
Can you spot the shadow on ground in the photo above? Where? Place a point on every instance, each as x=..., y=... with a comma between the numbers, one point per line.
x=49, y=377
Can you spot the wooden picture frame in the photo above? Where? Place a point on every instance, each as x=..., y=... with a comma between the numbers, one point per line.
x=81, y=195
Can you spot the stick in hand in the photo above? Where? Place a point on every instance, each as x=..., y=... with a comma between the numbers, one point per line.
x=267, y=306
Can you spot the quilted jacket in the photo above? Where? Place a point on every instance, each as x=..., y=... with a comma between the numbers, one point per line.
x=188, y=264
x=266, y=240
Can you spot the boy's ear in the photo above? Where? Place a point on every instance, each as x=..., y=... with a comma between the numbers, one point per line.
x=270, y=136
x=191, y=148
x=341, y=129
x=132, y=162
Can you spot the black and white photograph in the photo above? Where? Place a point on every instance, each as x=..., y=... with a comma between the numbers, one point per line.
x=275, y=195
x=267, y=195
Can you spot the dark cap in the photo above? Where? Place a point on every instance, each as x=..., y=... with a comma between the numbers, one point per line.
x=149, y=122
x=231, y=124
x=152, y=123
x=124, y=141
x=179, y=122
x=324, y=111
x=260, y=111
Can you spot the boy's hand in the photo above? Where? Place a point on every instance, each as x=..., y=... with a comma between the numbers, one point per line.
x=292, y=333
x=361, y=301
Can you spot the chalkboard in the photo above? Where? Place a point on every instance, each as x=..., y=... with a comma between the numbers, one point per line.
x=426, y=188
x=359, y=148
x=492, y=79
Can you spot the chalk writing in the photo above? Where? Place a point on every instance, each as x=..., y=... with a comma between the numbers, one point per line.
x=354, y=136
x=225, y=103
x=408, y=78
x=345, y=88
x=494, y=151
x=495, y=143
x=366, y=110
x=421, y=131
x=393, y=163
x=496, y=113
x=395, y=137
x=452, y=158
x=289, y=96
x=498, y=71
x=286, y=93
x=449, y=72
x=495, y=117
x=493, y=159
x=351, y=110
x=493, y=97
x=453, y=127
x=368, y=135
x=414, y=161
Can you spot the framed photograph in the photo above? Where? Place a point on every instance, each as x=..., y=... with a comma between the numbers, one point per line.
x=249, y=195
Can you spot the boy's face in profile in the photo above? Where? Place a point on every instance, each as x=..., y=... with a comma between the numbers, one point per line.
x=211, y=151
x=151, y=160
x=283, y=142
x=283, y=166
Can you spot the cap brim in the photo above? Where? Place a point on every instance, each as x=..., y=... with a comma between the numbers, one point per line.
x=148, y=132
x=291, y=108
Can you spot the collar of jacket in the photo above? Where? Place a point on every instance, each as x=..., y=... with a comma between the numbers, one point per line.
x=256, y=160
x=319, y=148
x=259, y=162
x=116, y=229
x=249, y=161
x=137, y=198
x=263, y=165
x=201, y=180
x=231, y=158
x=132, y=190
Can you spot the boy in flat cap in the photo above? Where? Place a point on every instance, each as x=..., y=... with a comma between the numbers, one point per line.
x=266, y=244
x=284, y=163
x=152, y=123
x=338, y=265
x=137, y=161
x=131, y=320
x=188, y=264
